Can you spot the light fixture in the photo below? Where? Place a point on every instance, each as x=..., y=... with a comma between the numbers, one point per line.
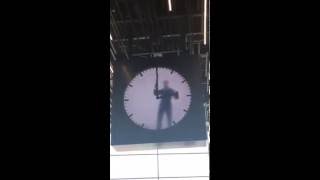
x=169, y=2
x=111, y=69
x=205, y=23
x=110, y=37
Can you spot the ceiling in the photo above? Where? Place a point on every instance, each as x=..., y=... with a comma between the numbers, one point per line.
x=144, y=27
x=147, y=27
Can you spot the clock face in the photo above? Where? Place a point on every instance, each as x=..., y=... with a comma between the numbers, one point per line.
x=161, y=107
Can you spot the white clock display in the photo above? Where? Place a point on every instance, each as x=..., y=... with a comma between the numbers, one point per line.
x=157, y=98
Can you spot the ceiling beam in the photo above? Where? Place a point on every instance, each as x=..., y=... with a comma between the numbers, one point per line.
x=158, y=18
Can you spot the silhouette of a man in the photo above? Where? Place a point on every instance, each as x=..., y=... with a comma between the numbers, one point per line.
x=165, y=94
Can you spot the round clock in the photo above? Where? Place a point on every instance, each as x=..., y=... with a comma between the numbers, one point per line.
x=157, y=98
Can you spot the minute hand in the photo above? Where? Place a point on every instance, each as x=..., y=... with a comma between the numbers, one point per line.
x=156, y=91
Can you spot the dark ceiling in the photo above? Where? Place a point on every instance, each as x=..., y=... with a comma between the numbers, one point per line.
x=143, y=27
x=147, y=27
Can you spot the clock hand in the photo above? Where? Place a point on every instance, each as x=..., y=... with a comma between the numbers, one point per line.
x=156, y=85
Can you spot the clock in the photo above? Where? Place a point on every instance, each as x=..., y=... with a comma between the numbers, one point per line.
x=157, y=98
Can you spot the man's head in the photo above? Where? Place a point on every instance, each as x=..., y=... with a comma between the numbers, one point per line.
x=166, y=83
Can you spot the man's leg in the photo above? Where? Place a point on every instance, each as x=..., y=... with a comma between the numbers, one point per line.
x=169, y=116
x=159, y=118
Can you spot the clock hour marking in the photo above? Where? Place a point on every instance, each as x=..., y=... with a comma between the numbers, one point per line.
x=130, y=85
x=185, y=110
x=171, y=72
x=126, y=99
x=188, y=95
x=141, y=74
x=142, y=125
x=183, y=81
x=130, y=115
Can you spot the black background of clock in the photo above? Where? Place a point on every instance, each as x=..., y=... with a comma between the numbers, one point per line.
x=191, y=127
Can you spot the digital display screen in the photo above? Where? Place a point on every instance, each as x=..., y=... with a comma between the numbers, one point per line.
x=157, y=100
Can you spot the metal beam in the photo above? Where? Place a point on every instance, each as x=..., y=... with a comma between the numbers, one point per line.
x=112, y=47
x=113, y=56
x=162, y=36
x=117, y=32
x=150, y=53
x=158, y=18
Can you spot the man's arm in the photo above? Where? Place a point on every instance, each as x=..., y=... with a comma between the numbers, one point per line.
x=157, y=92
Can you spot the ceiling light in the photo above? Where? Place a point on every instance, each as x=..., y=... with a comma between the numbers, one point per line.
x=111, y=69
